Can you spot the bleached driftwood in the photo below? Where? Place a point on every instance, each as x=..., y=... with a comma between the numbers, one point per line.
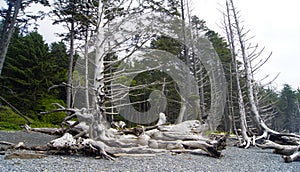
x=63, y=145
x=278, y=148
x=51, y=131
x=290, y=152
x=89, y=135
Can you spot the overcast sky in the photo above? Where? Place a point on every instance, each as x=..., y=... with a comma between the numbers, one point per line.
x=275, y=25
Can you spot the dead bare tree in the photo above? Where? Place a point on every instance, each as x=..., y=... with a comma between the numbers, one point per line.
x=238, y=40
x=231, y=39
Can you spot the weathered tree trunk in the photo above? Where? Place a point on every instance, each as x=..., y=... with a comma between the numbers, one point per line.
x=182, y=111
x=243, y=122
x=64, y=145
x=16, y=110
x=278, y=148
x=86, y=73
x=8, y=28
x=183, y=108
x=69, y=88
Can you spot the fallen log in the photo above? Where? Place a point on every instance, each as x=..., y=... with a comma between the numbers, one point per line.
x=114, y=141
x=289, y=153
x=278, y=148
x=167, y=145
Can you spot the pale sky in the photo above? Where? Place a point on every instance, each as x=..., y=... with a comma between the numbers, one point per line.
x=275, y=25
x=272, y=22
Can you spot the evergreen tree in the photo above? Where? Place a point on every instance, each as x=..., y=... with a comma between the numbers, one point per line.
x=30, y=70
x=11, y=18
x=288, y=110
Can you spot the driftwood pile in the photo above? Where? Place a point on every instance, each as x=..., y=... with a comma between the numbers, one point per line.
x=86, y=138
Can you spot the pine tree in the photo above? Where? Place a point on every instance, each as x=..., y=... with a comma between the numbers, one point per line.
x=288, y=110
x=30, y=70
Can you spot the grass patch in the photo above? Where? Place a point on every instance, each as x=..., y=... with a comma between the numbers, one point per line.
x=10, y=120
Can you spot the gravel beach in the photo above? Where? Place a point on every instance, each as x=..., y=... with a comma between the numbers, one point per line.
x=234, y=159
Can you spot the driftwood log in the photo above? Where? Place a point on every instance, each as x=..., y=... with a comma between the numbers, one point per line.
x=64, y=145
x=289, y=153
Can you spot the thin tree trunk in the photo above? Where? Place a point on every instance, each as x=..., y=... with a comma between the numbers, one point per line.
x=86, y=57
x=243, y=122
x=8, y=28
x=202, y=96
x=16, y=110
x=231, y=104
x=69, y=88
x=86, y=74
x=298, y=105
